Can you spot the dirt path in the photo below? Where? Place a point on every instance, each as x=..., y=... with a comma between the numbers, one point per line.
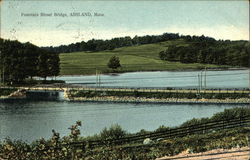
x=218, y=154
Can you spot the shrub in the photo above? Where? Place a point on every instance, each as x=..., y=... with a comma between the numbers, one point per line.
x=231, y=113
x=114, y=62
x=162, y=128
x=114, y=132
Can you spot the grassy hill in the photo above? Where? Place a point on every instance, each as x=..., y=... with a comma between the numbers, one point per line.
x=134, y=58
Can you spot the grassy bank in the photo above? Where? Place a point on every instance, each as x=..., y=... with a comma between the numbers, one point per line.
x=135, y=58
x=55, y=147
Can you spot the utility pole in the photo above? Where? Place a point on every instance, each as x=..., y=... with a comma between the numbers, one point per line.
x=198, y=83
x=99, y=79
x=2, y=70
x=96, y=77
x=201, y=80
x=3, y=74
x=249, y=78
x=205, y=80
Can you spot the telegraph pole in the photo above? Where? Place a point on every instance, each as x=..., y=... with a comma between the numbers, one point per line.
x=201, y=80
x=198, y=83
x=2, y=70
x=3, y=74
x=249, y=79
x=205, y=80
x=99, y=79
x=96, y=77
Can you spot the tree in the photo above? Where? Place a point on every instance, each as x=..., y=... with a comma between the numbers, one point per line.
x=114, y=62
x=54, y=64
x=43, y=67
x=19, y=61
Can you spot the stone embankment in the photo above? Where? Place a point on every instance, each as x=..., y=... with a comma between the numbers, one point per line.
x=128, y=99
x=21, y=93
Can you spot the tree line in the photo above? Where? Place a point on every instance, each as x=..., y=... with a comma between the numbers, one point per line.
x=25, y=60
x=234, y=53
x=94, y=45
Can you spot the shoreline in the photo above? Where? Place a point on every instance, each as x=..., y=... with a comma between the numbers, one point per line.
x=113, y=99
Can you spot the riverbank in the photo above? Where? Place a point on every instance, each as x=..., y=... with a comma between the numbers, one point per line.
x=114, y=95
x=12, y=94
x=126, y=99
x=158, y=96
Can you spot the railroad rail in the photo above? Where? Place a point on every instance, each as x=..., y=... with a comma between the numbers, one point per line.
x=121, y=89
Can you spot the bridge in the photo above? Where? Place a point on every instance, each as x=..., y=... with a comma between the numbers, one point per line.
x=123, y=89
x=138, y=95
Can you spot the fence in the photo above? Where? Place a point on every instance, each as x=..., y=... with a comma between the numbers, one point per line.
x=174, y=132
x=170, y=133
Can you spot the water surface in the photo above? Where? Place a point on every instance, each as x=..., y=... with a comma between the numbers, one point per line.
x=184, y=79
x=28, y=120
x=31, y=120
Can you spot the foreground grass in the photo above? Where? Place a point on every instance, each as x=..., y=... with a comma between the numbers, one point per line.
x=135, y=58
x=53, y=149
x=226, y=139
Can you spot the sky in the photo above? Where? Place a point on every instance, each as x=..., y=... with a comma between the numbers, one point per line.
x=225, y=19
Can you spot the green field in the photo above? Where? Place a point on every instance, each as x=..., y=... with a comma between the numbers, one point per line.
x=134, y=58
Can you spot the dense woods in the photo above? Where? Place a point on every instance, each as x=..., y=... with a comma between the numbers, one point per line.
x=100, y=45
x=235, y=53
x=198, y=49
x=24, y=60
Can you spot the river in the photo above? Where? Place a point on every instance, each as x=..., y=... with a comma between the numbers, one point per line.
x=184, y=79
x=30, y=120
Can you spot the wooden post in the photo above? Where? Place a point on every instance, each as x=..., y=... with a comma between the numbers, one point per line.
x=204, y=131
x=240, y=121
x=198, y=83
x=205, y=80
x=249, y=79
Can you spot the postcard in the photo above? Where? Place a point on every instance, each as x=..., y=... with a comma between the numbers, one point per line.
x=127, y=79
